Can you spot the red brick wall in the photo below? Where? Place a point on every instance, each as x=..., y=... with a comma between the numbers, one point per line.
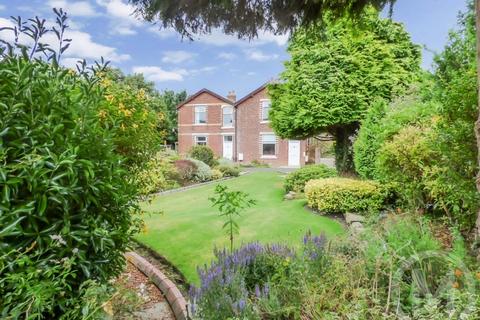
x=249, y=129
x=213, y=128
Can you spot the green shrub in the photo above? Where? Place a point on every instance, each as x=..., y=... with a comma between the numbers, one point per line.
x=217, y=174
x=203, y=172
x=67, y=203
x=333, y=195
x=381, y=124
x=404, y=162
x=204, y=154
x=295, y=181
x=229, y=171
x=157, y=175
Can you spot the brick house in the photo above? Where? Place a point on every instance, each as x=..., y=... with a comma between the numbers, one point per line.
x=236, y=130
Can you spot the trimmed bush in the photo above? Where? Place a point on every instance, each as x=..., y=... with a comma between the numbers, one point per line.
x=229, y=171
x=203, y=173
x=216, y=174
x=186, y=170
x=333, y=195
x=204, y=154
x=295, y=181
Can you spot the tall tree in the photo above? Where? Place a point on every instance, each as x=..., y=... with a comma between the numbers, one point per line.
x=247, y=18
x=334, y=75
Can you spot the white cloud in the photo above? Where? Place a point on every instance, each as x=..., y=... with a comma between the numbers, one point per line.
x=258, y=55
x=2, y=7
x=157, y=74
x=208, y=69
x=227, y=55
x=81, y=47
x=121, y=14
x=177, y=56
x=162, y=33
x=251, y=73
x=74, y=8
x=218, y=38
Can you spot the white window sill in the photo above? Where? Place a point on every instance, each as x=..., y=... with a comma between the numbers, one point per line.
x=268, y=157
x=199, y=124
x=265, y=121
x=231, y=127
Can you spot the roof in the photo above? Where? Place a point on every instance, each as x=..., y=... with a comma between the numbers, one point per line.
x=251, y=94
x=204, y=90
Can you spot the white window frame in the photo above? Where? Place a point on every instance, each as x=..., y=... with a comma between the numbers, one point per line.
x=197, y=143
x=231, y=125
x=262, y=142
x=196, y=120
x=262, y=108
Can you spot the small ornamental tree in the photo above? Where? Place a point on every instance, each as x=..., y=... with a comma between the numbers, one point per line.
x=335, y=74
x=230, y=204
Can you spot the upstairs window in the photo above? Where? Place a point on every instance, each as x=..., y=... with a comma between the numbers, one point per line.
x=200, y=114
x=268, y=142
x=227, y=116
x=265, y=109
x=201, y=140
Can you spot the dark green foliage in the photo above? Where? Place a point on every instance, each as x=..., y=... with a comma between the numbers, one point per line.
x=204, y=154
x=229, y=170
x=333, y=77
x=247, y=19
x=295, y=181
x=381, y=124
x=67, y=205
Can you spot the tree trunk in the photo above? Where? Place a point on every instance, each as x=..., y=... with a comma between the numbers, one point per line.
x=477, y=123
x=344, y=149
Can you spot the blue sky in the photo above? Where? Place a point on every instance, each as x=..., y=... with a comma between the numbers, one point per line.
x=217, y=61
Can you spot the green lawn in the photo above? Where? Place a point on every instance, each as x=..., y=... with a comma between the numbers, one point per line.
x=190, y=228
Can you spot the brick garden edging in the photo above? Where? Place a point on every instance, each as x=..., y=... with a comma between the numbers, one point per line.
x=169, y=289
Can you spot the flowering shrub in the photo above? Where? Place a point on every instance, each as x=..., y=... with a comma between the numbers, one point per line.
x=248, y=283
x=332, y=195
x=129, y=113
x=295, y=181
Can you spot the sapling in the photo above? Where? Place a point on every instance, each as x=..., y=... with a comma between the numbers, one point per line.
x=230, y=204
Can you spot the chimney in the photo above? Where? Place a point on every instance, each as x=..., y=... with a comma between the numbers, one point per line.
x=232, y=96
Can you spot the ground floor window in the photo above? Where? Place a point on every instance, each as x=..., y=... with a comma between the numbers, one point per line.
x=201, y=140
x=268, y=142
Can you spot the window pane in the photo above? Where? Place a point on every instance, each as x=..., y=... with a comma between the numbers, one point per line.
x=200, y=114
x=268, y=138
x=268, y=149
x=265, y=110
x=201, y=140
x=228, y=138
x=227, y=116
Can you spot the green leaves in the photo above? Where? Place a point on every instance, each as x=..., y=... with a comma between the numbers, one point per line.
x=230, y=204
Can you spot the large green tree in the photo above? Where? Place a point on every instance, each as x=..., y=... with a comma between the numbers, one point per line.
x=335, y=74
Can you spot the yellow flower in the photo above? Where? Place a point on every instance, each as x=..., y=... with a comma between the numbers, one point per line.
x=102, y=114
x=109, y=97
x=458, y=273
x=135, y=126
x=456, y=285
x=122, y=126
x=72, y=72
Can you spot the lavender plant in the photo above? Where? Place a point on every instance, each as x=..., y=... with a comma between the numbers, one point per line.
x=230, y=204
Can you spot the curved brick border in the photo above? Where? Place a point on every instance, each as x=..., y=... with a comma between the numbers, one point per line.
x=169, y=289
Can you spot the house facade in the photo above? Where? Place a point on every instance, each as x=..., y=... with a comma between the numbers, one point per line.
x=236, y=130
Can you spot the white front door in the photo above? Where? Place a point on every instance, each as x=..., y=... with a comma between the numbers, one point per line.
x=228, y=147
x=293, y=153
